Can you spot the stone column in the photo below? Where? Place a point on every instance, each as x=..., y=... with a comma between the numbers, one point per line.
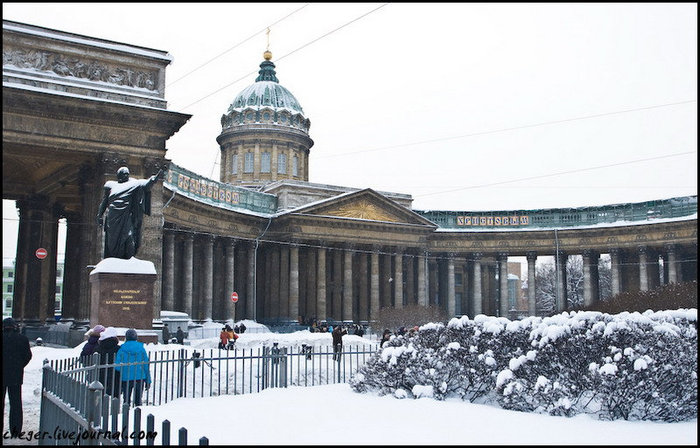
x=187, y=274
x=615, y=271
x=363, y=299
x=653, y=272
x=208, y=279
x=374, y=285
x=643, y=268
x=531, y=271
x=168, y=270
x=672, y=265
x=560, y=271
x=347, y=285
x=476, y=284
x=503, y=286
x=229, y=285
x=409, y=293
x=385, y=285
x=273, y=279
x=423, y=280
x=22, y=260
x=284, y=286
x=321, y=284
x=433, y=286
x=398, y=279
x=451, y=305
x=72, y=269
x=590, y=277
x=337, y=292
x=250, y=305
x=294, y=281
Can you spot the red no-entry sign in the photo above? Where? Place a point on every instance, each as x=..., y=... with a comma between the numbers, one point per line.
x=234, y=297
x=41, y=253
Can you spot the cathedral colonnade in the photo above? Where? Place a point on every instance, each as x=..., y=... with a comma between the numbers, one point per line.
x=296, y=282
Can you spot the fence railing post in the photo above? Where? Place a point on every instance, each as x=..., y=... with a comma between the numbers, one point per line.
x=95, y=391
x=165, y=437
x=182, y=436
x=44, y=423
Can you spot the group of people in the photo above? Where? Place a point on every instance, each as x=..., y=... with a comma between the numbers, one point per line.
x=130, y=379
x=227, y=337
x=179, y=335
x=387, y=334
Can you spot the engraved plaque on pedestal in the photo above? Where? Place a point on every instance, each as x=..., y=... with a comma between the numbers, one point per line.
x=122, y=293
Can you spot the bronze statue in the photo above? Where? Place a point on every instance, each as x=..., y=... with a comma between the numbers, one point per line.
x=125, y=201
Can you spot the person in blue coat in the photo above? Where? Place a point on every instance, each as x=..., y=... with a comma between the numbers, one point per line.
x=136, y=375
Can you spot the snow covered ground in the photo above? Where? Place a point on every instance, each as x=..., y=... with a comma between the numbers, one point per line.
x=334, y=414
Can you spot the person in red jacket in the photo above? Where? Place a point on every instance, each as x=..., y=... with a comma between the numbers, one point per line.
x=223, y=338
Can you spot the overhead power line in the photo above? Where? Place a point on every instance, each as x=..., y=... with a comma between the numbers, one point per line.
x=237, y=45
x=495, y=131
x=282, y=57
x=578, y=170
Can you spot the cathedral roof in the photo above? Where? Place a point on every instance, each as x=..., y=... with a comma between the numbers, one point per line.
x=266, y=92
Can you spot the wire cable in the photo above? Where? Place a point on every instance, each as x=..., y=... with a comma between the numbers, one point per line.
x=282, y=57
x=236, y=46
x=495, y=131
x=579, y=170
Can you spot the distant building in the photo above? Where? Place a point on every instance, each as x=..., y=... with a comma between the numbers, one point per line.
x=8, y=285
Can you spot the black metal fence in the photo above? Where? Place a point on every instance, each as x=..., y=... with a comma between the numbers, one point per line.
x=87, y=399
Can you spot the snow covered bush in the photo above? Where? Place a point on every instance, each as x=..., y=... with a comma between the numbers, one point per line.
x=639, y=366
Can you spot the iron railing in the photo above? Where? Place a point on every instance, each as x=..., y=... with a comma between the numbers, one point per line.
x=84, y=397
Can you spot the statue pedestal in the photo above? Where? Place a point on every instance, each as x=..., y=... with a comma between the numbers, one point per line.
x=122, y=294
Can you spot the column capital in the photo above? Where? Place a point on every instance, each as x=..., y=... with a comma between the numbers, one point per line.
x=476, y=255
x=642, y=249
x=671, y=247
x=531, y=255
x=502, y=256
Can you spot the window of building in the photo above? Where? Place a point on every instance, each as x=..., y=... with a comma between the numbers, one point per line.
x=58, y=273
x=234, y=164
x=282, y=163
x=57, y=305
x=458, y=279
x=295, y=166
x=58, y=289
x=10, y=274
x=249, y=162
x=10, y=288
x=8, y=304
x=265, y=162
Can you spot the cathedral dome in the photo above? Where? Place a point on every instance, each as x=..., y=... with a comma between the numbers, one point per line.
x=264, y=134
x=266, y=102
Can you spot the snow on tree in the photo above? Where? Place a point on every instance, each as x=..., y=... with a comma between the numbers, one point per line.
x=635, y=366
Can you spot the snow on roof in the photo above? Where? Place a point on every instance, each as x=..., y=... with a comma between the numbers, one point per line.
x=84, y=40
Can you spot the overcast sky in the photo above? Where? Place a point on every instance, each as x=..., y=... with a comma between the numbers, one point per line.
x=464, y=106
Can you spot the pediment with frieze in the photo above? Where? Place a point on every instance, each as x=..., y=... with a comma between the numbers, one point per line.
x=366, y=205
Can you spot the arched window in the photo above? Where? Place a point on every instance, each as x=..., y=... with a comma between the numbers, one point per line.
x=295, y=166
x=282, y=163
